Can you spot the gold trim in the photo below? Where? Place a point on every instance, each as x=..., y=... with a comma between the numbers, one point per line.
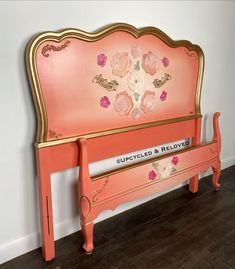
x=130, y=166
x=158, y=83
x=47, y=48
x=54, y=134
x=104, y=83
x=114, y=131
x=59, y=36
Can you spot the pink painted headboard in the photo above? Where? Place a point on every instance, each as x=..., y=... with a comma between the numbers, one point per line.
x=117, y=79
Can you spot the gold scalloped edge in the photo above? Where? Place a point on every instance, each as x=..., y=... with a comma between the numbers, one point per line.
x=42, y=122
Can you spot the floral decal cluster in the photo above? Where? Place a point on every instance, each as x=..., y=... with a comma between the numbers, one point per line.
x=163, y=169
x=133, y=67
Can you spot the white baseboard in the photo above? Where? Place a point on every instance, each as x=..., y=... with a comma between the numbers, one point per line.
x=30, y=242
x=227, y=162
x=19, y=246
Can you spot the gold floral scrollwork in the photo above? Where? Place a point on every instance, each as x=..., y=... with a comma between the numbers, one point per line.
x=48, y=47
x=160, y=82
x=191, y=53
x=97, y=192
x=53, y=134
x=103, y=82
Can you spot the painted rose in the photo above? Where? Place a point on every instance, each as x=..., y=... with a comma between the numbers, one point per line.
x=136, y=51
x=101, y=59
x=152, y=175
x=104, y=102
x=150, y=63
x=136, y=81
x=123, y=103
x=148, y=102
x=120, y=63
x=165, y=61
x=163, y=96
x=135, y=113
x=175, y=160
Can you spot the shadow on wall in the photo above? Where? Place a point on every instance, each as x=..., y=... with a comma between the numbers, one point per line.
x=65, y=202
x=207, y=128
x=207, y=134
x=63, y=183
x=29, y=183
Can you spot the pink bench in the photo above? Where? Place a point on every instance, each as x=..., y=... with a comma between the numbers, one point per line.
x=103, y=94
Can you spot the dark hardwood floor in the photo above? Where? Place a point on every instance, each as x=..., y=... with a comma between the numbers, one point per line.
x=177, y=230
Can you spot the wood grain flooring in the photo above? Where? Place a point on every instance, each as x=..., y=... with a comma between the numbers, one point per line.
x=177, y=230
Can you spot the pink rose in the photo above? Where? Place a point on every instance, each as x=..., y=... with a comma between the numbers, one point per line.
x=101, y=59
x=150, y=63
x=148, y=101
x=136, y=51
x=163, y=96
x=123, y=103
x=135, y=113
x=165, y=61
x=104, y=102
x=121, y=64
x=175, y=160
x=152, y=175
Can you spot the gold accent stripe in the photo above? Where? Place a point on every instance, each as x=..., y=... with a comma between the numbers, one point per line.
x=115, y=131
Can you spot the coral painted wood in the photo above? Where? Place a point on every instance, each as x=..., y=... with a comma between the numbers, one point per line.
x=103, y=94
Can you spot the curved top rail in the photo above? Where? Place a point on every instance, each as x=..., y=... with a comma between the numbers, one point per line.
x=117, y=79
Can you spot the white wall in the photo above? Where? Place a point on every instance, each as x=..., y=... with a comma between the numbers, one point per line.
x=209, y=24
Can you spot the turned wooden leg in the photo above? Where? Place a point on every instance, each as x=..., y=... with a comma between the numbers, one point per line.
x=216, y=174
x=193, y=184
x=44, y=183
x=87, y=230
x=216, y=139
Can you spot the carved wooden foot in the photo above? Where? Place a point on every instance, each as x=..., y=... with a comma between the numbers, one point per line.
x=215, y=176
x=87, y=230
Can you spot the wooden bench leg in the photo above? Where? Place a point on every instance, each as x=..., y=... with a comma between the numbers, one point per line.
x=193, y=184
x=87, y=230
x=44, y=183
